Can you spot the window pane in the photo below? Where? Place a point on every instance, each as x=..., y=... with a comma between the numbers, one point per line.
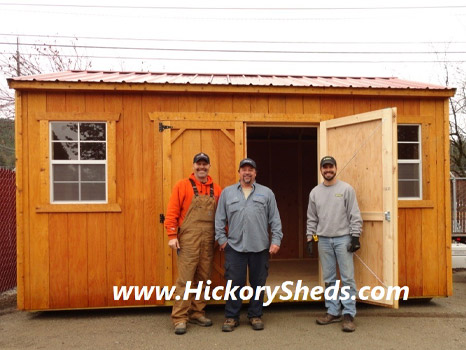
x=93, y=172
x=93, y=151
x=408, y=151
x=65, y=131
x=408, y=132
x=92, y=131
x=65, y=192
x=65, y=172
x=64, y=150
x=93, y=191
x=408, y=189
x=408, y=171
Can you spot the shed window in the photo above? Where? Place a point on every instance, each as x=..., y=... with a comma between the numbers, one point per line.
x=78, y=162
x=409, y=162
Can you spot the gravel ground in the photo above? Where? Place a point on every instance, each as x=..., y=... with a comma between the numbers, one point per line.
x=438, y=324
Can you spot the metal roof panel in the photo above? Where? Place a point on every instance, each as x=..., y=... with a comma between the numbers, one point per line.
x=229, y=79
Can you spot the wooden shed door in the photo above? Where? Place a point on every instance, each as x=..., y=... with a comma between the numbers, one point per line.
x=364, y=146
x=223, y=142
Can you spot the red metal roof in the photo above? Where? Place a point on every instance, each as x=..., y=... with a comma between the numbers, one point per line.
x=229, y=79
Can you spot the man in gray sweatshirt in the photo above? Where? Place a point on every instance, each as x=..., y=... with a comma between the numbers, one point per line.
x=334, y=220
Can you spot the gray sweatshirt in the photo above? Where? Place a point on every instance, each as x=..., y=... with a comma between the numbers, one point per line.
x=333, y=211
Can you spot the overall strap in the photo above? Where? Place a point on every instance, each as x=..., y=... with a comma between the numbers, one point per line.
x=196, y=192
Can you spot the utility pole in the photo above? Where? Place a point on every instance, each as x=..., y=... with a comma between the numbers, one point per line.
x=18, y=68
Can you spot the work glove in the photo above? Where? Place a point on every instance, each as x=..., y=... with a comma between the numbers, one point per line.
x=354, y=245
x=310, y=247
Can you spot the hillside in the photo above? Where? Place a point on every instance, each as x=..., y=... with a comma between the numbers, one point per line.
x=7, y=143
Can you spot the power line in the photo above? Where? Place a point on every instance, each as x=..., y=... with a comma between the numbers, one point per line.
x=251, y=60
x=238, y=41
x=375, y=8
x=232, y=51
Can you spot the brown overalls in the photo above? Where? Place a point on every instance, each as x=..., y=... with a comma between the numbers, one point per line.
x=195, y=257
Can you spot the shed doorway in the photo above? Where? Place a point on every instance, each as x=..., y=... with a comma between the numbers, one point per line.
x=286, y=158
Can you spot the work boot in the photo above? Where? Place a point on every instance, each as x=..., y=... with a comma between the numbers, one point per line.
x=180, y=328
x=229, y=325
x=348, y=324
x=327, y=319
x=256, y=323
x=201, y=321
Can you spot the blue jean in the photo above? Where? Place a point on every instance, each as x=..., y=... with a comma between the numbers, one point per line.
x=333, y=250
x=236, y=266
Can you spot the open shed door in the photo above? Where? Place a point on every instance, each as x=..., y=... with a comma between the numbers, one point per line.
x=364, y=147
x=223, y=142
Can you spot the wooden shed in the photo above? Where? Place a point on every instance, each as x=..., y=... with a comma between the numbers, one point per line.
x=99, y=152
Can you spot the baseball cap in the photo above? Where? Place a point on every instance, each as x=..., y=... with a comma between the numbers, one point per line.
x=201, y=156
x=248, y=161
x=328, y=160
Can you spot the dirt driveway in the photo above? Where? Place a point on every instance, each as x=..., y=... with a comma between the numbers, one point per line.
x=439, y=324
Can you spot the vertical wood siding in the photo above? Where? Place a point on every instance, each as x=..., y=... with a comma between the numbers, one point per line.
x=73, y=260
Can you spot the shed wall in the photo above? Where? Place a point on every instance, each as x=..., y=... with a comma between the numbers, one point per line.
x=73, y=260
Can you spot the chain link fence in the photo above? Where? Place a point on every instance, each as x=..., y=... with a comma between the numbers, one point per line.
x=458, y=207
x=7, y=229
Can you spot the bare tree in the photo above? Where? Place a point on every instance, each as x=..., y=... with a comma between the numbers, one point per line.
x=33, y=59
x=457, y=77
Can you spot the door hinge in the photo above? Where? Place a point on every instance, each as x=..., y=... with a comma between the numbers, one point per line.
x=387, y=216
x=163, y=127
x=162, y=218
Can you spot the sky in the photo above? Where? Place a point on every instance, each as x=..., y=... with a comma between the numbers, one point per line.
x=407, y=39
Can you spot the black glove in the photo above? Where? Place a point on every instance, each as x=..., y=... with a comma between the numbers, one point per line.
x=354, y=245
x=310, y=246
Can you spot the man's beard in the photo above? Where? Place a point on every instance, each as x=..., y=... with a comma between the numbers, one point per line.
x=248, y=180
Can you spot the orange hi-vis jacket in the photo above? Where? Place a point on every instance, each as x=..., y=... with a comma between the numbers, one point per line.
x=180, y=200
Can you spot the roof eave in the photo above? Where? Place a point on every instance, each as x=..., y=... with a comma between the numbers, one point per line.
x=228, y=88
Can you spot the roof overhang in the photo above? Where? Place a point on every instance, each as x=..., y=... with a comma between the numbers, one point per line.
x=223, y=89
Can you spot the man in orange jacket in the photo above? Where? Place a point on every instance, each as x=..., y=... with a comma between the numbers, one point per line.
x=190, y=227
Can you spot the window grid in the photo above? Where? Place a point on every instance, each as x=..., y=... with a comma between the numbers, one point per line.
x=417, y=161
x=78, y=162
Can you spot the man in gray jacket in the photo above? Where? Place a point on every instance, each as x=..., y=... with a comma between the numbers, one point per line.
x=334, y=220
x=248, y=209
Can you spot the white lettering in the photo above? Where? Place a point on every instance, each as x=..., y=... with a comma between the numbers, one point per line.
x=229, y=292
x=143, y=291
x=215, y=296
x=259, y=290
x=332, y=289
x=397, y=290
x=288, y=292
x=126, y=294
x=249, y=290
x=247, y=293
x=270, y=295
x=377, y=293
x=344, y=293
x=362, y=291
x=197, y=290
x=207, y=290
x=316, y=292
x=300, y=289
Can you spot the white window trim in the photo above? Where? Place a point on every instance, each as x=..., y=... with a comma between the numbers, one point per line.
x=78, y=162
x=413, y=161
